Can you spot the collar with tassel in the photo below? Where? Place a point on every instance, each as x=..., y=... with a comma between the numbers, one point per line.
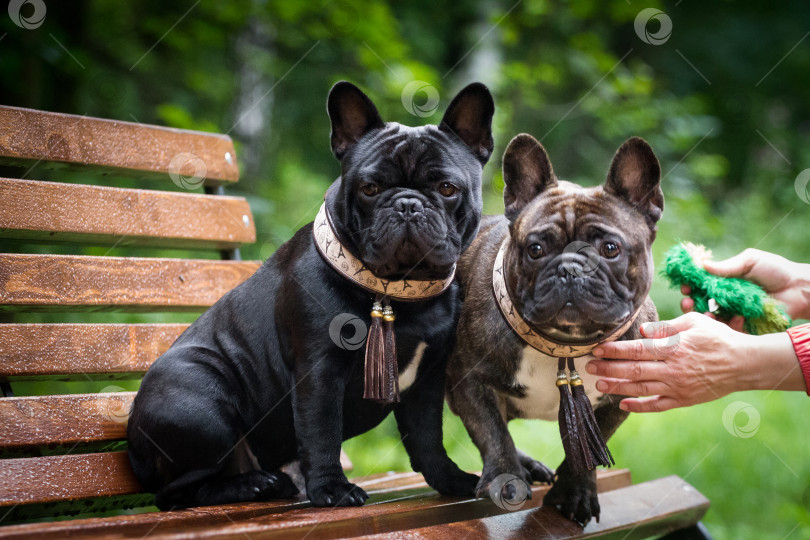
x=584, y=445
x=381, y=371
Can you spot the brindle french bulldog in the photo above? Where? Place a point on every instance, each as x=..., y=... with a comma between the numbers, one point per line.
x=567, y=296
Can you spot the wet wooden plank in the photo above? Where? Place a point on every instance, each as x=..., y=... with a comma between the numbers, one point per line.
x=56, y=478
x=410, y=509
x=29, y=137
x=383, y=485
x=70, y=283
x=396, y=501
x=68, y=419
x=54, y=212
x=82, y=351
x=645, y=510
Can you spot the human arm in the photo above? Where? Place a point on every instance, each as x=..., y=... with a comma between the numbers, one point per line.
x=694, y=359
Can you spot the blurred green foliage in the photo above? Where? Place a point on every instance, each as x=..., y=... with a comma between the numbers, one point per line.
x=723, y=101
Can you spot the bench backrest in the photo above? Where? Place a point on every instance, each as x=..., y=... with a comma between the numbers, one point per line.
x=68, y=450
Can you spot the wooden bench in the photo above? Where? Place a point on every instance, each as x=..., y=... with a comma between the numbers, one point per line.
x=66, y=454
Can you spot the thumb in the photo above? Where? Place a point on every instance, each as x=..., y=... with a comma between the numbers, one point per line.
x=737, y=266
x=682, y=323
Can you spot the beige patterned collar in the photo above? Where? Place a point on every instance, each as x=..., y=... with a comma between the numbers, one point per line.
x=354, y=270
x=540, y=342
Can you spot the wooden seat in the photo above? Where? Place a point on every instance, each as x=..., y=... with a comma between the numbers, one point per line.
x=66, y=454
x=403, y=506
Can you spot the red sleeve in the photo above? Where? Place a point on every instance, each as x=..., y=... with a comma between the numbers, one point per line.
x=800, y=336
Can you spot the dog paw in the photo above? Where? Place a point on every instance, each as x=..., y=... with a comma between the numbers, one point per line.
x=275, y=485
x=336, y=493
x=254, y=485
x=535, y=470
x=451, y=480
x=501, y=485
x=577, y=500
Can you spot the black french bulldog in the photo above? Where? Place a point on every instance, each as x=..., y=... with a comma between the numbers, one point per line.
x=257, y=382
x=569, y=296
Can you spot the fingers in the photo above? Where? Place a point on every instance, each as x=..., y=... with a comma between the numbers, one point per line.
x=687, y=304
x=638, y=349
x=658, y=329
x=659, y=348
x=737, y=323
x=628, y=370
x=737, y=266
x=631, y=388
x=688, y=320
x=649, y=404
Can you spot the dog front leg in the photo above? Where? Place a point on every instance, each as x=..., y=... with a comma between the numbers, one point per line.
x=477, y=406
x=575, y=494
x=318, y=409
x=419, y=418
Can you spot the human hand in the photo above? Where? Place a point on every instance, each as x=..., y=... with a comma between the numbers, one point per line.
x=786, y=281
x=693, y=359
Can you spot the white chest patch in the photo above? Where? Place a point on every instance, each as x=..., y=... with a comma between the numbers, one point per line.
x=407, y=377
x=538, y=374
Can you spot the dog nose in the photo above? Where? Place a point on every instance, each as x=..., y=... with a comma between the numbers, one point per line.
x=408, y=205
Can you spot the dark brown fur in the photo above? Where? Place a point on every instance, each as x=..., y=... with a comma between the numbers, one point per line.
x=482, y=370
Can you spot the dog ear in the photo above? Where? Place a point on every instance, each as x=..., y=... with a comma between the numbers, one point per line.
x=527, y=173
x=352, y=114
x=635, y=176
x=469, y=117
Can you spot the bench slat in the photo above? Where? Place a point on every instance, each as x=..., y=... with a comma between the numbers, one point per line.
x=28, y=136
x=54, y=212
x=405, y=496
x=70, y=477
x=70, y=419
x=70, y=283
x=649, y=509
x=82, y=351
x=33, y=421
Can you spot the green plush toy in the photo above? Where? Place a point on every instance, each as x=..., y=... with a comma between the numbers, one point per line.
x=725, y=297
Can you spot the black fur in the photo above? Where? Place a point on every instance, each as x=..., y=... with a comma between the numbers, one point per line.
x=257, y=382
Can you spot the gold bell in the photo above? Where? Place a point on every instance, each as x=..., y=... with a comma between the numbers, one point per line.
x=377, y=310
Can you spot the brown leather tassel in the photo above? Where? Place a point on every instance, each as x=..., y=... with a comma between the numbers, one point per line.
x=577, y=453
x=390, y=353
x=381, y=370
x=375, y=345
x=599, y=451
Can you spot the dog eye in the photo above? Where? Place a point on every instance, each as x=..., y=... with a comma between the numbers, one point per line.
x=369, y=190
x=535, y=251
x=447, y=189
x=610, y=250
